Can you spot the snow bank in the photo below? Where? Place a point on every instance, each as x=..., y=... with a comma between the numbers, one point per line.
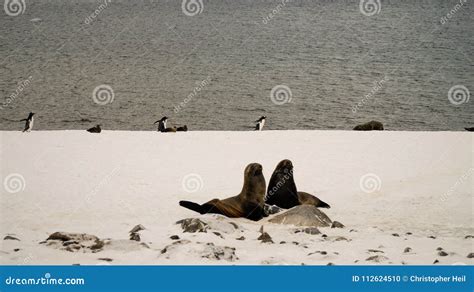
x=392, y=190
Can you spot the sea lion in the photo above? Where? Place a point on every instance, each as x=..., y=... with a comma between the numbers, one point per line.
x=370, y=126
x=282, y=190
x=96, y=129
x=249, y=203
x=182, y=129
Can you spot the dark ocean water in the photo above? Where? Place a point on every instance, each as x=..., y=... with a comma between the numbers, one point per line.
x=330, y=64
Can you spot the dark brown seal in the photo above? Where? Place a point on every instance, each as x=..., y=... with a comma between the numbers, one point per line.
x=95, y=129
x=370, y=126
x=249, y=203
x=282, y=190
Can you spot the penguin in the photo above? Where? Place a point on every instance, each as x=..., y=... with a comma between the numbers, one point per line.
x=95, y=129
x=29, y=122
x=469, y=129
x=162, y=124
x=260, y=123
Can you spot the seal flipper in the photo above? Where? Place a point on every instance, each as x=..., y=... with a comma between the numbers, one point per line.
x=308, y=199
x=192, y=206
x=205, y=208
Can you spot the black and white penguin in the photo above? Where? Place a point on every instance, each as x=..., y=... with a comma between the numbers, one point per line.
x=260, y=123
x=162, y=124
x=95, y=129
x=29, y=122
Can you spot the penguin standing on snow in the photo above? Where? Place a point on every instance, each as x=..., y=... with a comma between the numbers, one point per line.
x=162, y=124
x=29, y=122
x=260, y=123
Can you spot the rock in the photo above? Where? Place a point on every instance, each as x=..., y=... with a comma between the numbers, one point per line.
x=320, y=252
x=272, y=209
x=309, y=230
x=137, y=228
x=219, y=253
x=471, y=255
x=370, y=126
x=75, y=242
x=282, y=242
x=69, y=242
x=432, y=237
x=407, y=250
x=265, y=237
x=352, y=230
x=337, y=224
x=234, y=225
x=408, y=233
x=193, y=225
x=468, y=236
x=435, y=262
x=174, y=237
x=173, y=245
x=9, y=237
x=396, y=234
x=375, y=250
x=135, y=236
x=377, y=258
x=324, y=236
x=442, y=253
x=330, y=264
x=66, y=236
x=295, y=242
x=340, y=238
x=218, y=234
x=241, y=238
x=303, y=215
x=16, y=249
x=439, y=248
x=97, y=246
x=144, y=245
x=105, y=259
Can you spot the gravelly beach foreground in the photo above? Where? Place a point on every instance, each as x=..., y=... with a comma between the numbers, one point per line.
x=404, y=197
